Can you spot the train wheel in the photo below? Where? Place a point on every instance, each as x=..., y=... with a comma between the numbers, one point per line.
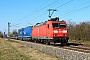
x=44, y=41
x=47, y=42
x=35, y=41
x=22, y=39
x=63, y=43
x=54, y=42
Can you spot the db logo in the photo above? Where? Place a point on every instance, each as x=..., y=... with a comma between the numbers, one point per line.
x=24, y=32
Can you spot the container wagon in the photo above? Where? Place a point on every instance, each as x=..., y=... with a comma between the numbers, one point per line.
x=52, y=30
x=25, y=33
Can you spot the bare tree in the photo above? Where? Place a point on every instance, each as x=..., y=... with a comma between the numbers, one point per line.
x=1, y=34
x=71, y=29
x=14, y=33
x=79, y=31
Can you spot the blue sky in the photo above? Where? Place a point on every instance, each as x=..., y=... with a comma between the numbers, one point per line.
x=22, y=13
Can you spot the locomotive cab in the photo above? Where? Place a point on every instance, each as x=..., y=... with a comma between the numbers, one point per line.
x=60, y=32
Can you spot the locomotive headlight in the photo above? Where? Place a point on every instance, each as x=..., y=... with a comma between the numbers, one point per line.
x=65, y=34
x=54, y=35
x=64, y=31
x=55, y=31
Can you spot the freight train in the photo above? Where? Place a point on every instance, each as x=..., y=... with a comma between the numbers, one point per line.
x=52, y=30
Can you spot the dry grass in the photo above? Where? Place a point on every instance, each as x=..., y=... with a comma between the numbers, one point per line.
x=7, y=52
x=10, y=50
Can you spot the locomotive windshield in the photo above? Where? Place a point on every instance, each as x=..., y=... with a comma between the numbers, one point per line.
x=55, y=25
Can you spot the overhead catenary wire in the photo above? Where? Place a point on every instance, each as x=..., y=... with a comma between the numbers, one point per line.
x=64, y=4
x=42, y=8
x=38, y=10
x=32, y=11
x=55, y=8
x=73, y=9
x=77, y=10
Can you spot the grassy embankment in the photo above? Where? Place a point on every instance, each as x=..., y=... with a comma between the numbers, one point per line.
x=10, y=50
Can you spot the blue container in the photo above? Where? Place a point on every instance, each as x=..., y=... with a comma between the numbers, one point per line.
x=25, y=32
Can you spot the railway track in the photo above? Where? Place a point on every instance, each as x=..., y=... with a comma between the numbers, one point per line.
x=79, y=48
x=69, y=46
x=75, y=47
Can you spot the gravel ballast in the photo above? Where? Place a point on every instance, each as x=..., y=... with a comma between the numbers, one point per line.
x=59, y=52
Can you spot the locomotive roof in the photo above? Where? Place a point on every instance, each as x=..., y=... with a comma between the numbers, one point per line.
x=54, y=20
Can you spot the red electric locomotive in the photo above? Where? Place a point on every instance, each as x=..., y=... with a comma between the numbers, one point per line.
x=52, y=30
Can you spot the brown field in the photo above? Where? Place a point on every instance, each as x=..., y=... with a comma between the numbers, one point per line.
x=10, y=50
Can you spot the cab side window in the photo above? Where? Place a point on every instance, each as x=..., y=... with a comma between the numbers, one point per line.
x=48, y=25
